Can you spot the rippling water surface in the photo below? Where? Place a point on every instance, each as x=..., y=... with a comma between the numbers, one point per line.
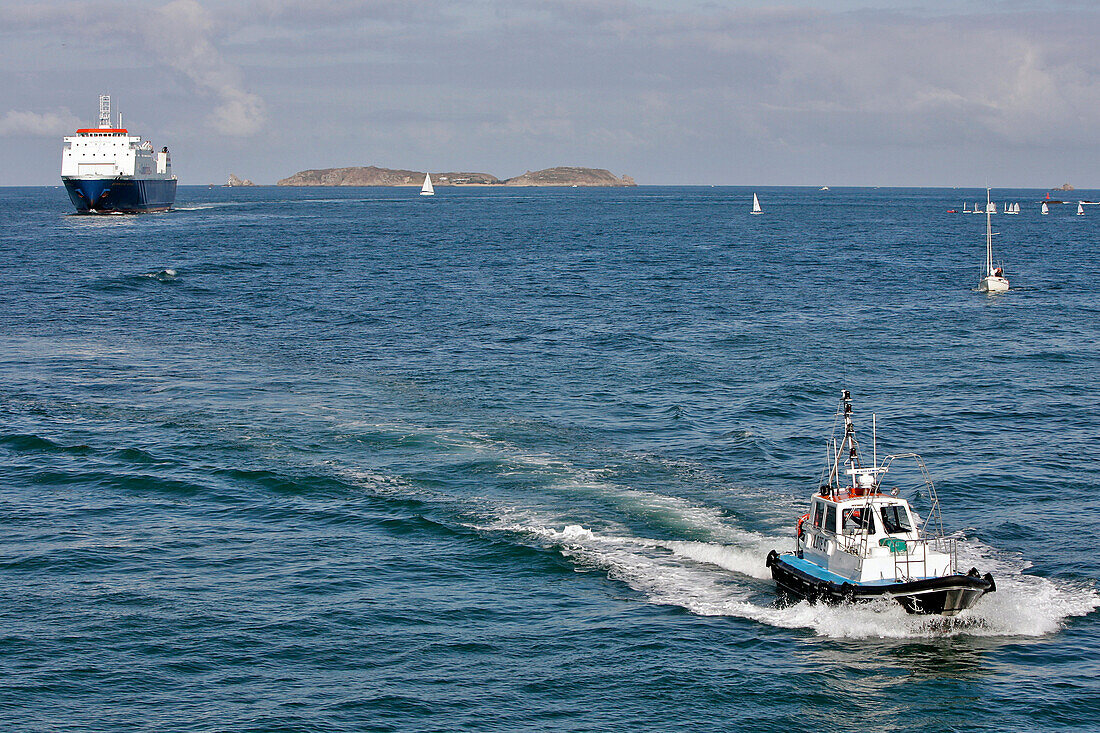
x=511, y=460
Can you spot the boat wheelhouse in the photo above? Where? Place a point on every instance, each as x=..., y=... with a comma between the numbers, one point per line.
x=859, y=542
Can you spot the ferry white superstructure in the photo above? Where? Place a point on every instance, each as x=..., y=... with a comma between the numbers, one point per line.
x=105, y=169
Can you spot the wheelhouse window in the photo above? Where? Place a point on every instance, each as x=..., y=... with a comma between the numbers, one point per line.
x=830, y=518
x=857, y=520
x=895, y=520
x=819, y=513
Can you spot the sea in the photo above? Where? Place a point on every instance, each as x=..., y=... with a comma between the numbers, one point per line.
x=353, y=459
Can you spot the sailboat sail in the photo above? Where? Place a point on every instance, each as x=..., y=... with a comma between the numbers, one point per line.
x=988, y=242
x=1046, y=209
x=756, y=205
x=1016, y=208
x=1080, y=209
x=427, y=189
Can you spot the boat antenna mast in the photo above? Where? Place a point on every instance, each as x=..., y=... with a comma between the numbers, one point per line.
x=849, y=434
x=104, y=110
x=830, y=484
x=988, y=237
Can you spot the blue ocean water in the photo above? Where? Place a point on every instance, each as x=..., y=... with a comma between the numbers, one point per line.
x=511, y=460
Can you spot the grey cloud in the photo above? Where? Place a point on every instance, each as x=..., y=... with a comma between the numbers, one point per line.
x=180, y=34
x=21, y=123
x=656, y=87
x=183, y=34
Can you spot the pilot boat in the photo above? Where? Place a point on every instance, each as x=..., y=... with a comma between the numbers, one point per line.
x=860, y=542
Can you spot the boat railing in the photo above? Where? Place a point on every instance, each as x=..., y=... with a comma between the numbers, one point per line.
x=933, y=522
x=913, y=563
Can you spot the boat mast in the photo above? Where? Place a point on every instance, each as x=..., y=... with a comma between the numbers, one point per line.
x=874, y=441
x=988, y=237
x=850, y=432
x=104, y=111
x=836, y=468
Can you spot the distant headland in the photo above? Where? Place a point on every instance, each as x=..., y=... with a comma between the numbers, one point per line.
x=374, y=176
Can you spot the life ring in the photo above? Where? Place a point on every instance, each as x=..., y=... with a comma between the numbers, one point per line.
x=798, y=529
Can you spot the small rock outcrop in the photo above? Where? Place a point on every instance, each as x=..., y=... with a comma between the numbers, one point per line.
x=1063, y=187
x=234, y=181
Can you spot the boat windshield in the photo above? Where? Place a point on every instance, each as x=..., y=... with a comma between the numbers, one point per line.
x=895, y=520
x=858, y=520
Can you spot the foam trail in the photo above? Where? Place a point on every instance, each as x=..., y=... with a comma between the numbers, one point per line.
x=1022, y=606
x=689, y=573
x=742, y=560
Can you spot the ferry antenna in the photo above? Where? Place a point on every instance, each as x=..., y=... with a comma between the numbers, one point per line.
x=104, y=110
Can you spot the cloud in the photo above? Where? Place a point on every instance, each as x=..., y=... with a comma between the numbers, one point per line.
x=19, y=123
x=184, y=35
x=665, y=89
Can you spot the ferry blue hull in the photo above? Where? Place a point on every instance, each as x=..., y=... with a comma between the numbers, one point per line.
x=120, y=195
x=943, y=596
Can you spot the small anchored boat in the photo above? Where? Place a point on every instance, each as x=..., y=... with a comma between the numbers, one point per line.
x=993, y=280
x=861, y=543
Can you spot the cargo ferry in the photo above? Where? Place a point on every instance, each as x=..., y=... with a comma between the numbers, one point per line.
x=860, y=542
x=106, y=170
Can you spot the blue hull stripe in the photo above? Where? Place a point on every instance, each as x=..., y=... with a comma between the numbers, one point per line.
x=125, y=195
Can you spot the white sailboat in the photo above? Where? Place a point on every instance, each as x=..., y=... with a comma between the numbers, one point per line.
x=1046, y=209
x=965, y=209
x=1016, y=208
x=1080, y=209
x=756, y=205
x=427, y=189
x=990, y=207
x=994, y=280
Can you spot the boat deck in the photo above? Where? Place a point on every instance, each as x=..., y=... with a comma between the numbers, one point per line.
x=820, y=573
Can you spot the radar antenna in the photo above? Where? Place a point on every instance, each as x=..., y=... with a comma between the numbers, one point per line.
x=105, y=110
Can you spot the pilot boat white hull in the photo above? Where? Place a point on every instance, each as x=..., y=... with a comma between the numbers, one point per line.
x=945, y=596
x=859, y=542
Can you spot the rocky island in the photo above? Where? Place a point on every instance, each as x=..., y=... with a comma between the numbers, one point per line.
x=374, y=176
x=570, y=176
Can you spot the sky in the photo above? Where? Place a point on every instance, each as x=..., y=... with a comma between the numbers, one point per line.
x=670, y=92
